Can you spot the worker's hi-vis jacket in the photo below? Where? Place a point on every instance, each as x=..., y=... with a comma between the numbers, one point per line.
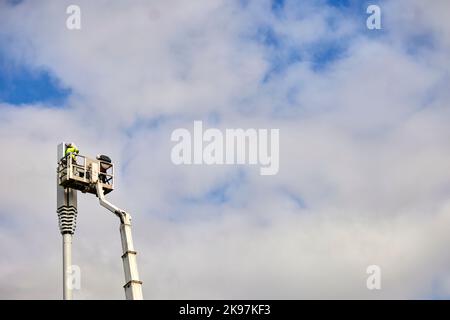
x=72, y=151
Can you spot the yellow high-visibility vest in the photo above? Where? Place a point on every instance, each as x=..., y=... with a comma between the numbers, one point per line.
x=72, y=150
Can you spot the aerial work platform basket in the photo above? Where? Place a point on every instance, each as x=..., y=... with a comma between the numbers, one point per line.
x=82, y=173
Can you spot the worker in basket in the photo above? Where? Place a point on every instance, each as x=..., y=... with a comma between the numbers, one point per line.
x=72, y=150
x=105, y=164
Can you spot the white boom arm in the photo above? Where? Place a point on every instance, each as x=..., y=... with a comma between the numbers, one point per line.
x=133, y=286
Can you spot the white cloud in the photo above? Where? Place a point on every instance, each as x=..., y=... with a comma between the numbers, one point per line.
x=364, y=148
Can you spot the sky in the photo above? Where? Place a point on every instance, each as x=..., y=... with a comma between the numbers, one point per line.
x=364, y=146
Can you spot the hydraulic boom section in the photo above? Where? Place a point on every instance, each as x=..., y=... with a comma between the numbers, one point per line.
x=95, y=176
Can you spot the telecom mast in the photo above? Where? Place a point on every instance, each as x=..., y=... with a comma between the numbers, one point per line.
x=67, y=215
x=95, y=176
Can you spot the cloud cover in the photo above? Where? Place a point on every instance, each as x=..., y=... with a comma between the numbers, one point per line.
x=363, y=118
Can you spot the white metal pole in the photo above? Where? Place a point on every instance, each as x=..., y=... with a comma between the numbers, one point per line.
x=66, y=207
x=67, y=266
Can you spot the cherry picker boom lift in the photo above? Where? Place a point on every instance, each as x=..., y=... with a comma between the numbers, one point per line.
x=95, y=176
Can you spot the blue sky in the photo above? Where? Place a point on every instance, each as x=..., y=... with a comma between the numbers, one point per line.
x=355, y=139
x=20, y=84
